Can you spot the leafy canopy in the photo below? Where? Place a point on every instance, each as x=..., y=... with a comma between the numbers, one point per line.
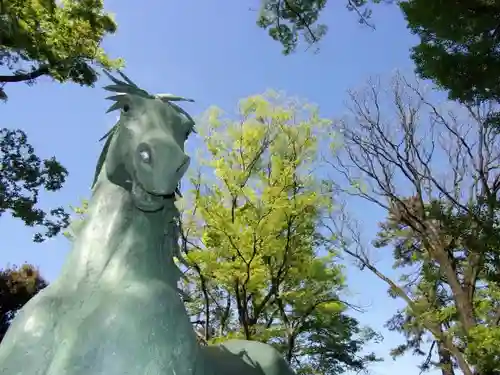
x=61, y=40
x=58, y=39
x=23, y=175
x=459, y=45
x=289, y=21
x=258, y=267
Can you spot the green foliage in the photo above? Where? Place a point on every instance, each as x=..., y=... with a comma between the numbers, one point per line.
x=23, y=175
x=41, y=37
x=335, y=343
x=436, y=303
x=59, y=39
x=459, y=45
x=482, y=341
x=259, y=267
x=287, y=21
x=435, y=300
x=17, y=286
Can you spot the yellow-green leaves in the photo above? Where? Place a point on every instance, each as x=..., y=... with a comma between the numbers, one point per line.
x=256, y=211
x=482, y=347
x=61, y=40
x=77, y=220
x=256, y=105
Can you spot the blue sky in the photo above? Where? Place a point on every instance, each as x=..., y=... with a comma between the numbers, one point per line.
x=214, y=53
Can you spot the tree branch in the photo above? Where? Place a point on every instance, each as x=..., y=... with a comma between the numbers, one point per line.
x=42, y=70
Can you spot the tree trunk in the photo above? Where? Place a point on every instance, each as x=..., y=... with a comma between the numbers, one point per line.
x=445, y=360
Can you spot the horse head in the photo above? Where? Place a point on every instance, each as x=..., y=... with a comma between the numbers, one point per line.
x=144, y=151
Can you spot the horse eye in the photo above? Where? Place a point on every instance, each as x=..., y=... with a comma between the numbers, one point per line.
x=145, y=156
x=126, y=108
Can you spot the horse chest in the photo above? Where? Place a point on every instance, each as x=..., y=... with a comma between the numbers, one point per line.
x=135, y=329
x=129, y=330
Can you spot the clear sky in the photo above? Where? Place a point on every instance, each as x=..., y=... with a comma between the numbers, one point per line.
x=213, y=52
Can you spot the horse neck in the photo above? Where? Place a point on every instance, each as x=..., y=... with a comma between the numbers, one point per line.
x=117, y=242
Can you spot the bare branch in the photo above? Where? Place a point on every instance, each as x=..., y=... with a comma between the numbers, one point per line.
x=434, y=169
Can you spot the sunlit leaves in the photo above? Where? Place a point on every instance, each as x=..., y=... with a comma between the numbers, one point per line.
x=483, y=349
x=59, y=39
x=255, y=212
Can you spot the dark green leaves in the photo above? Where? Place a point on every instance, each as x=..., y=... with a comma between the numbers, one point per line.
x=17, y=286
x=22, y=176
x=459, y=45
x=289, y=21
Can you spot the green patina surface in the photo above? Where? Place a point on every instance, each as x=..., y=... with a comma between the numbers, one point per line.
x=115, y=308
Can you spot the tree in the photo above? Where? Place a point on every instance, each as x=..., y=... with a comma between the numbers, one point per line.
x=459, y=45
x=23, y=175
x=17, y=286
x=60, y=40
x=433, y=169
x=417, y=337
x=251, y=240
x=287, y=21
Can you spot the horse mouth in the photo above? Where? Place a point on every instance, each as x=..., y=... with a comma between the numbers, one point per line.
x=147, y=201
